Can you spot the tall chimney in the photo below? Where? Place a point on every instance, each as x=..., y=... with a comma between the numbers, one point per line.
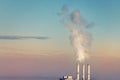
x=88, y=68
x=78, y=71
x=83, y=74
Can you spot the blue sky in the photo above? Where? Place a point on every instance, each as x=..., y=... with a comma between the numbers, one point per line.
x=38, y=18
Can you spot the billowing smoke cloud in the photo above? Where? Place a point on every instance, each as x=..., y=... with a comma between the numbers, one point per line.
x=22, y=37
x=79, y=37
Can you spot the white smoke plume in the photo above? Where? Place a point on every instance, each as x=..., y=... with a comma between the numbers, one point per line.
x=79, y=37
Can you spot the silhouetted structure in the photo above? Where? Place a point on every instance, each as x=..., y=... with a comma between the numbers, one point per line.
x=66, y=78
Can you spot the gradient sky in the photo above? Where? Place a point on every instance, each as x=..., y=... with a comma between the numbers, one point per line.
x=38, y=18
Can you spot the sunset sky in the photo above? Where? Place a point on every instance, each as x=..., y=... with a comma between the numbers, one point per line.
x=34, y=42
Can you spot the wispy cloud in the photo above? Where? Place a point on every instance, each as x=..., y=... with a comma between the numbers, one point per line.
x=11, y=37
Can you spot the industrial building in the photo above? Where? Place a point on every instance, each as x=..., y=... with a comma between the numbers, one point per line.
x=83, y=76
x=66, y=78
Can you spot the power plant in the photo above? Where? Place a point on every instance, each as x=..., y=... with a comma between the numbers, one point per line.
x=83, y=76
x=80, y=40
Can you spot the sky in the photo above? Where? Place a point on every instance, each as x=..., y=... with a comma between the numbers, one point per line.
x=34, y=42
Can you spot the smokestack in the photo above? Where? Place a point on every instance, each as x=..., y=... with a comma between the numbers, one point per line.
x=83, y=74
x=88, y=68
x=78, y=71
